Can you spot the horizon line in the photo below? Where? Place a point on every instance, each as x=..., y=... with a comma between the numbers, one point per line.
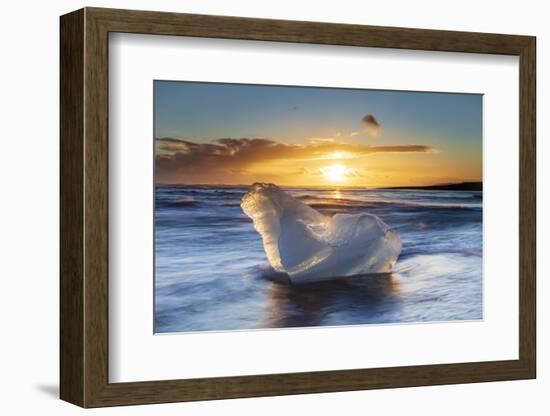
x=326, y=186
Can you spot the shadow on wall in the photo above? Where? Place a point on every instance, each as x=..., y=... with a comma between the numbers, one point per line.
x=49, y=390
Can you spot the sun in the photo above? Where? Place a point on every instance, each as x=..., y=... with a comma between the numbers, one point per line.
x=335, y=173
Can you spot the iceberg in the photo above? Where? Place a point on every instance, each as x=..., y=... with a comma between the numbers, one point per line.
x=310, y=246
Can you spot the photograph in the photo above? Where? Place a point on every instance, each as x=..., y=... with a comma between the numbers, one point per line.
x=282, y=206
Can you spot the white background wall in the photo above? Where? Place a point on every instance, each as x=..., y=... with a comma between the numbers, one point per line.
x=29, y=209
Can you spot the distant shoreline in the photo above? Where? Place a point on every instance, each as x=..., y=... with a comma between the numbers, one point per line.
x=462, y=186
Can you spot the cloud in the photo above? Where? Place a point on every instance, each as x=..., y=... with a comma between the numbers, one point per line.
x=322, y=139
x=371, y=124
x=175, y=157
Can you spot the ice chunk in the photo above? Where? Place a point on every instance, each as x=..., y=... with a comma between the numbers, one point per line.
x=310, y=246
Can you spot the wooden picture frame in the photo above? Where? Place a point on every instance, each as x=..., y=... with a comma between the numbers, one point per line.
x=84, y=207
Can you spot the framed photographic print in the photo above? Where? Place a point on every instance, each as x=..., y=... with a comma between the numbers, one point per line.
x=255, y=207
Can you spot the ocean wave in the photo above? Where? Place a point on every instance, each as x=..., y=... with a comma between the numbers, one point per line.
x=339, y=203
x=394, y=204
x=346, y=199
x=184, y=201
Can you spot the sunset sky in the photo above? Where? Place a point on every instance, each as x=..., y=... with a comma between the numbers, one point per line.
x=210, y=133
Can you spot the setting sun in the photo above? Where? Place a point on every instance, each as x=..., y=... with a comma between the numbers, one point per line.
x=335, y=173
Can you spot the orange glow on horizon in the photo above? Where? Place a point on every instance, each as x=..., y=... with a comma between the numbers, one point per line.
x=333, y=168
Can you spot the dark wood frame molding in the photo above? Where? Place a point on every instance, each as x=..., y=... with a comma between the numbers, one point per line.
x=84, y=207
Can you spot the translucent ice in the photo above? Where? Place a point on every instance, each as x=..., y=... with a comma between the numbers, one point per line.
x=310, y=246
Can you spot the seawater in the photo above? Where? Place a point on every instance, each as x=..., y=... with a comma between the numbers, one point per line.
x=211, y=272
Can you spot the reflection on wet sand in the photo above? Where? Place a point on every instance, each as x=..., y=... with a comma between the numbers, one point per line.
x=363, y=299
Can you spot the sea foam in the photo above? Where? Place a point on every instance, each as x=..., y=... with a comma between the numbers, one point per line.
x=309, y=246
